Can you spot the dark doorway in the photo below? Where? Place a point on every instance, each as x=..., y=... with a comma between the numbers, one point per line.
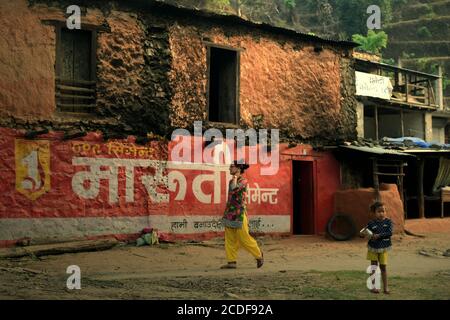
x=223, y=85
x=303, y=196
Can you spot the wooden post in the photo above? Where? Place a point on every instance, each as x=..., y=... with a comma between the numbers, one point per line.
x=402, y=122
x=376, y=124
x=406, y=87
x=439, y=89
x=376, y=182
x=398, y=74
x=401, y=187
x=420, y=192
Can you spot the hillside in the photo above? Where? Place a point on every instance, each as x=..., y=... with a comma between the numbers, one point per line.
x=420, y=33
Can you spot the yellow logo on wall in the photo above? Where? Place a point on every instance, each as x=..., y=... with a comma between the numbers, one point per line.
x=32, y=167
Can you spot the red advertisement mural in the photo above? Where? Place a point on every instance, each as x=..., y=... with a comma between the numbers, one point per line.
x=52, y=188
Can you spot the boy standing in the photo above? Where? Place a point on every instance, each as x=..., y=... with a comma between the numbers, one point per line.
x=380, y=242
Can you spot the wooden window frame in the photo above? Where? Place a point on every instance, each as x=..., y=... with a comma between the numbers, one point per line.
x=93, y=29
x=93, y=61
x=210, y=45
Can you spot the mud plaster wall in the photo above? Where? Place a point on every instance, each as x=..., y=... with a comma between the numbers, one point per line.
x=27, y=58
x=356, y=203
x=306, y=94
x=132, y=65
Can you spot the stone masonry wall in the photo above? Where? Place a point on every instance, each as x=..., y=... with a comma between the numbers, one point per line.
x=152, y=74
x=305, y=94
x=132, y=66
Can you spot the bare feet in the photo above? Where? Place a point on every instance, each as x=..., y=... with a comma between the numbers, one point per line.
x=386, y=291
x=375, y=290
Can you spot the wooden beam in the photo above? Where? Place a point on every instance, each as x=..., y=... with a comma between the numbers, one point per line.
x=406, y=87
x=222, y=46
x=377, y=134
x=389, y=174
x=400, y=187
x=76, y=89
x=59, y=248
x=376, y=182
x=402, y=124
x=84, y=26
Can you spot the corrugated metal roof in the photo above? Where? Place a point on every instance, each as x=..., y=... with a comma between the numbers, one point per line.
x=427, y=151
x=234, y=19
x=395, y=68
x=378, y=150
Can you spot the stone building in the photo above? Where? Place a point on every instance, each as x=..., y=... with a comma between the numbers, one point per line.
x=87, y=115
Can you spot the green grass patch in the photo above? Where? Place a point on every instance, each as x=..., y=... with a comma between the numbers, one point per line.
x=351, y=285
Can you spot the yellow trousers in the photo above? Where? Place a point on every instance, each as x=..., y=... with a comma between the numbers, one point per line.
x=236, y=238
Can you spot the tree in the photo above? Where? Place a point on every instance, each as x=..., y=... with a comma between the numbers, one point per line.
x=292, y=16
x=373, y=42
x=352, y=14
x=325, y=17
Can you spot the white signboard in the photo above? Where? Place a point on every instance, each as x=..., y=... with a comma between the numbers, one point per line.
x=372, y=85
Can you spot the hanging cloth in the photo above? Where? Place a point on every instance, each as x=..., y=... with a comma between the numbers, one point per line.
x=443, y=176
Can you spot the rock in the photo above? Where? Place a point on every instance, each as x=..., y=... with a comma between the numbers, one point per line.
x=424, y=253
x=446, y=253
x=32, y=271
x=34, y=133
x=73, y=134
x=231, y=295
x=432, y=253
x=22, y=270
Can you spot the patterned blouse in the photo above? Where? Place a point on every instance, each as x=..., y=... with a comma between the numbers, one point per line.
x=236, y=207
x=384, y=230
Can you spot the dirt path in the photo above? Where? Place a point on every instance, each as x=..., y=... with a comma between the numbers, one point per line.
x=295, y=268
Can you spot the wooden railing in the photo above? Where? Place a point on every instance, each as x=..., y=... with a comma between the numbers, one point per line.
x=418, y=92
x=410, y=87
x=75, y=95
x=447, y=103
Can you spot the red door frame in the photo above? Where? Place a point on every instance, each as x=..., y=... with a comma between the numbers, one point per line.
x=314, y=196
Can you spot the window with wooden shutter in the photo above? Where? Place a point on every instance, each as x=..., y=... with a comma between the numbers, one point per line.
x=75, y=70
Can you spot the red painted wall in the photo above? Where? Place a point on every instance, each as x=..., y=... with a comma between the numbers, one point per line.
x=326, y=180
x=54, y=189
x=49, y=191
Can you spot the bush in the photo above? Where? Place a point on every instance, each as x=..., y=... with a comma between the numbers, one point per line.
x=373, y=42
x=424, y=33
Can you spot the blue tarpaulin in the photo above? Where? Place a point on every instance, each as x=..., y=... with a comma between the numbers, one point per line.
x=416, y=141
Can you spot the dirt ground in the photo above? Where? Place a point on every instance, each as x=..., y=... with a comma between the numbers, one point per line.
x=298, y=267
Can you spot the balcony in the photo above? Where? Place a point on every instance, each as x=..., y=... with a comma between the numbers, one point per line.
x=409, y=87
